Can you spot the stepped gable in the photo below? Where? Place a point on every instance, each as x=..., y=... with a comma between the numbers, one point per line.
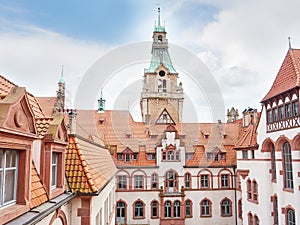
x=288, y=76
x=88, y=166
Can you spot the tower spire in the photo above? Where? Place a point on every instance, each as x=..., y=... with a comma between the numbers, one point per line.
x=101, y=103
x=61, y=79
x=158, y=19
x=159, y=27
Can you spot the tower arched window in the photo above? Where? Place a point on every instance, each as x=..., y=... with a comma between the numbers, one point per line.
x=287, y=166
x=187, y=180
x=160, y=38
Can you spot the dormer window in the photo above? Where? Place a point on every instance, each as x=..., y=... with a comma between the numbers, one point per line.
x=54, y=169
x=127, y=157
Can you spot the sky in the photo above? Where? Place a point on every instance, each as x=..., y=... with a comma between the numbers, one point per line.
x=243, y=43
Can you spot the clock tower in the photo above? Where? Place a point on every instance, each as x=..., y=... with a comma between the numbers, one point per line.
x=161, y=98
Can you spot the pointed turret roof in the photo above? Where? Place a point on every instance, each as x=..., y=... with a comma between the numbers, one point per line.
x=288, y=76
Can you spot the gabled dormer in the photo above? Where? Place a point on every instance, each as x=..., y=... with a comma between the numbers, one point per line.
x=282, y=100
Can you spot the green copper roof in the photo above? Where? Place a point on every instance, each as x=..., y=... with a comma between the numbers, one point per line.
x=160, y=56
x=61, y=79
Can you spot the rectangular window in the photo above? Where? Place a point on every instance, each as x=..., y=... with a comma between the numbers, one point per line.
x=209, y=156
x=269, y=116
x=295, y=106
x=54, y=166
x=224, y=181
x=216, y=157
x=187, y=180
x=127, y=157
x=120, y=156
x=138, y=182
x=154, y=181
x=288, y=112
x=223, y=156
x=151, y=156
x=134, y=157
x=281, y=112
x=188, y=209
x=275, y=210
x=275, y=114
x=122, y=182
x=8, y=176
x=245, y=154
x=204, y=181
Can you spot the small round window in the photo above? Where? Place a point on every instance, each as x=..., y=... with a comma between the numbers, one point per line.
x=162, y=73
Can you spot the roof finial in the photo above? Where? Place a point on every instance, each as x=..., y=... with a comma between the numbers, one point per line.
x=290, y=46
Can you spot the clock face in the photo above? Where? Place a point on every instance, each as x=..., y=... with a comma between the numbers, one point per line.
x=162, y=73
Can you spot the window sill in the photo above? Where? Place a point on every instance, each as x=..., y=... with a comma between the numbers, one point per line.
x=288, y=190
x=139, y=218
x=11, y=212
x=205, y=216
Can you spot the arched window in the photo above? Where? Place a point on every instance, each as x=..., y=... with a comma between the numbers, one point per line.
x=138, y=209
x=122, y=182
x=121, y=212
x=164, y=84
x=154, y=181
x=188, y=208
x=160, y=38
x=154, y=209
x=177, y=209
x=255, y=190
x=275, y=210
x=273, y=162
x=287, y=166
x=256, y=220
x=226, y=207
x=205, y=210
x=187, y=180
x=240, y=209
x=168, y=209
x=250, y=219
x=249, y=189
x=290, y=217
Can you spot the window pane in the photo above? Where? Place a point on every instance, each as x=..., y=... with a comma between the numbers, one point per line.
x=9, y=193
x=1, y=158
x=8, y=159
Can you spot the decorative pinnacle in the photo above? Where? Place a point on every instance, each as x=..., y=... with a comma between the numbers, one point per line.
x=290, y=45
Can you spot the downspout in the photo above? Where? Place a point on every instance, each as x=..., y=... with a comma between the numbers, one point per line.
x=235, y=189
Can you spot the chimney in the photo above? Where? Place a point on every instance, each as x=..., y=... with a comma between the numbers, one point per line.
x=72, y=121
x=249, y=117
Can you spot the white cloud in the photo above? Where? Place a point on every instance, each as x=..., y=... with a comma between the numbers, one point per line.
x=33, y=57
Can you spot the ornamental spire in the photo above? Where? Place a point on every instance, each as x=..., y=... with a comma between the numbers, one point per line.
x=159, y=27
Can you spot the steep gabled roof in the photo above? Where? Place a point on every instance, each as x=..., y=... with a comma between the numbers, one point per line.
x=88, y=166
x=249, y=136
x=38, y=191
x=288, y=76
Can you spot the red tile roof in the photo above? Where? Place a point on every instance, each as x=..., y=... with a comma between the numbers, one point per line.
x=88, y=166
x=6, y=86
x=42, y=125
x=288, y=76
x=118, y=130
x=38, y=191
x=47, y=104
x=249, y=136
